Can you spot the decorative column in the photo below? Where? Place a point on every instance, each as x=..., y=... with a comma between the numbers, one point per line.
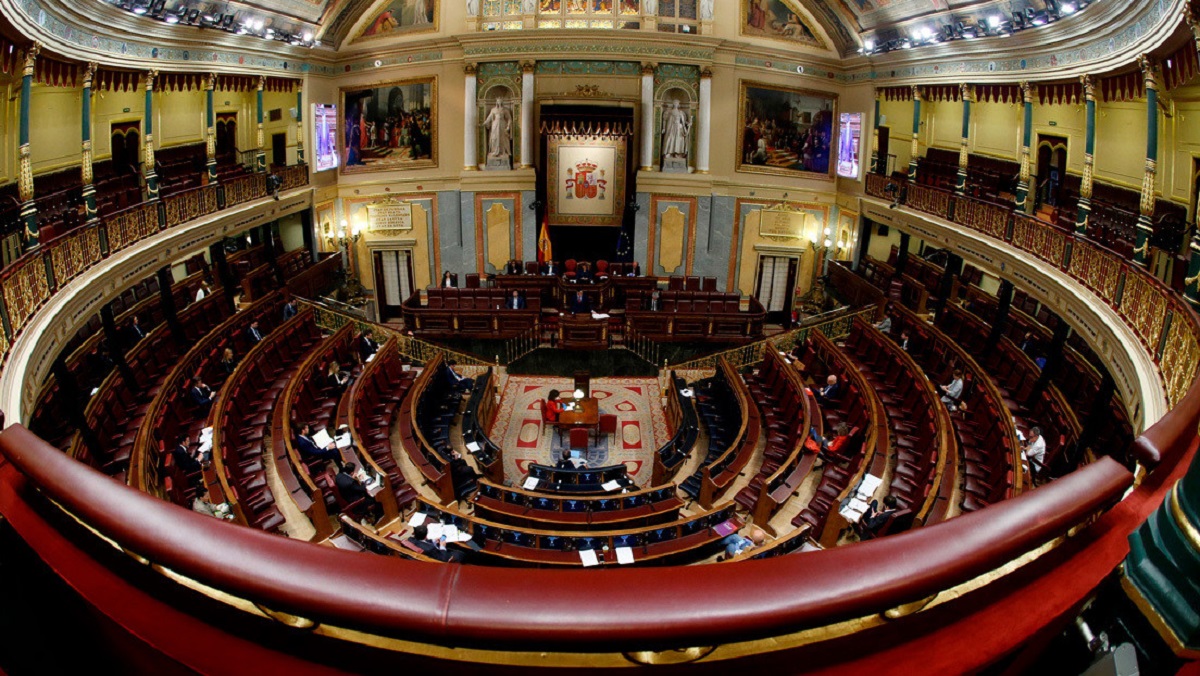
x=470, y=119
x=210, y=128
x=647, y=117
x=916, y=130
x=25, y=175
x=1191, y=289
x=1145, y=223
x=148, y=149
x=704, y=123
x=85, y=164
x=1089, y=148
x=526, y=159
x=960, y=186
x=878, y=164
x=1022, y=202
x=300, y=122
x=260, y=156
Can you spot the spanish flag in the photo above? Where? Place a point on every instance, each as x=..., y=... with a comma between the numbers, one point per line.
x=544, y=252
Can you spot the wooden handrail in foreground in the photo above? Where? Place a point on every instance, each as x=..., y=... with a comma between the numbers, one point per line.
x=649, y=608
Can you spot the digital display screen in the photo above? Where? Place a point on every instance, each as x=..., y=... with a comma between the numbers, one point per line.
x=325, y=155
x=849, y=140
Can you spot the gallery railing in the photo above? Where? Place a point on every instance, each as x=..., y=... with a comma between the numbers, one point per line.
x=38, y=274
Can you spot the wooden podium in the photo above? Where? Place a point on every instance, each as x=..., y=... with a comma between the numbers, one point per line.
x=582, y=332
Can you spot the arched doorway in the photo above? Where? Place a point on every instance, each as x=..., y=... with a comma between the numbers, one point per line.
x=226, y=133
x=1051, y=169
x=125, y=141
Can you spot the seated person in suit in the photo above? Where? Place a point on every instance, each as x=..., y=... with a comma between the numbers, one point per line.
x=335, y=378
x=655, y=302
x=134, y=332
x=565, y=461
x=874, y=519
x=513, y=267
x=349, y=483
x=885, y=324
x=200, y=393
x=952, y=391
x=460, y=382
x=289, y=309
x=584, y=273
x=202, y=291
x=551, y=268
x=254, y=333
x=447, y=280
x=580, y=303
x=420, y=538
x=903, y=342
x=1028, y=344
x=366, y=346
x=516, y=301
x=309, y=449
x=553, y=408
x=188, y=460
x=830, y=392
x=228, y=361
x=634, y=270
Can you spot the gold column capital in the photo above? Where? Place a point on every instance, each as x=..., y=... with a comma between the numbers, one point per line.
x=967, y=92
x=648, y=68
x=151, y=76
x=1149, y=72
x=210, y=81
x=916, y=93
x=1026, y=92
x=1089, y=87
x=528, y=66
x=31, y=56
x=706, y=73
x=470, y=68
x=90, y=74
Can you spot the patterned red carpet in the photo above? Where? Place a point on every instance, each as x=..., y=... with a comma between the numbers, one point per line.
x=641, y=424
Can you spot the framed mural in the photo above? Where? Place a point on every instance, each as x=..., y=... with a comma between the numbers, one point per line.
x=586, y=179
x=776, y=19
x=399, y=17
x=785, y=130
x=390, y=126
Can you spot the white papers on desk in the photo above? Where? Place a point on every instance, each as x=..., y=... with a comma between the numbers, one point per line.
x=94, y=391
x=588, y=557
x=343, y=441
x=624, y=555
x=450, y=531
x=434, y=528
x=867, y=488
x=405, y=367
x=688, y=392
x=611, y=485
x=206, y=433
x=530, y=484
x=599, y=315
x=416, y=519
x=322, y=439
x=474, y=447
x=206, y=445
x=853, y=510
x=370, y=358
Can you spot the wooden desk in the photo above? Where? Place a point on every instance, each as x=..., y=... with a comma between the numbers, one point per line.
x=587, y=415
x=581, y=332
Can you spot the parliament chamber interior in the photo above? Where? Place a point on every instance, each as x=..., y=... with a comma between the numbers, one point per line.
x=519, y=336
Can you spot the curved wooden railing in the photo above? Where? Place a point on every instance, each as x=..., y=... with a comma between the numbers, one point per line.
x=27, y=283
x=650, y=608
x=718, y=476
x=1167, y=327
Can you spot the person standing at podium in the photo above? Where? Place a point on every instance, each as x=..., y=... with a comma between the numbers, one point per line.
x=580, y=303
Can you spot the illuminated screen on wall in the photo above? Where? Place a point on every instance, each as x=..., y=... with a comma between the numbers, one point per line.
x=325, y=155
x=849, y=137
